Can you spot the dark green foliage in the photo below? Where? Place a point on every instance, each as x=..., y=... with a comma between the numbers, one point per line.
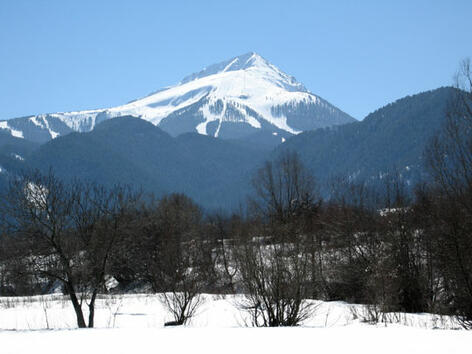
x=393, y=137
x=132, y=151
x=12, y=152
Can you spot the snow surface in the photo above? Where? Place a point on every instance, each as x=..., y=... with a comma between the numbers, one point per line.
x=353, y=339
x=134, y=324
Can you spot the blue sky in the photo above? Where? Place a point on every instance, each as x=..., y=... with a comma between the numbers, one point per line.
x=359, y=55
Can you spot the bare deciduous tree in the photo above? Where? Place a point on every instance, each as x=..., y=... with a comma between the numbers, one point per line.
x=281, y=187
x=275, y=260
x=175, y=259
x=450, y=160
x=65, y=232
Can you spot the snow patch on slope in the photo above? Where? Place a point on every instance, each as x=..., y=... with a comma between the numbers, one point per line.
x=18, y=157
x=43, y=123
x=13, y=132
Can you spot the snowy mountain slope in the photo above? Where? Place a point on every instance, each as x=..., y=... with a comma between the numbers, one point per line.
x=232, y=99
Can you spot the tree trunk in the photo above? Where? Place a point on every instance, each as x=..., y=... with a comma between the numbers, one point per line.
x=77, y=308
x=91, y=306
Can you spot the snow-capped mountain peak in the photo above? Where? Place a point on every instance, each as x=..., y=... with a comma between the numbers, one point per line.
x=251, y=62
x=232, y=99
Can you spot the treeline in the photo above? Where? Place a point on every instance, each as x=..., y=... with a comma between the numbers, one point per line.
x=390, y=250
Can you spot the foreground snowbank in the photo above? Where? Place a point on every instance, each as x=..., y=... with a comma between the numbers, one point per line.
x=134, y=323
x=146, y=311
x=348, y=339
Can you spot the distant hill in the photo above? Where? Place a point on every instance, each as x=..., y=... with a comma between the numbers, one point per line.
x=132, y=151
x=13, y=152
x=393, y=137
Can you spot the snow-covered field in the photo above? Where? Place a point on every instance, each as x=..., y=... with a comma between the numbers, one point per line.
x=134, y=324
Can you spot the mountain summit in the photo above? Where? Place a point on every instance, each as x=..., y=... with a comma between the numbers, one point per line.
x=235, y=99
x=249, y=61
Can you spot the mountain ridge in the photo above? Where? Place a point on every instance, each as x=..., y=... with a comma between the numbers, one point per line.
x=217, y=172
x=230, y=99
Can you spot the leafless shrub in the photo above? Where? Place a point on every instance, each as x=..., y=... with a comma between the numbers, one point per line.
x=182, y=306
x=275, y=280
